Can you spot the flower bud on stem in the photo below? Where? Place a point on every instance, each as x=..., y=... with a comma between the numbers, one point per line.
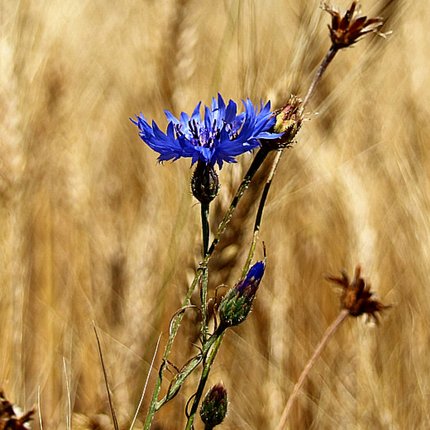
x=204, y=183
x=214, y=406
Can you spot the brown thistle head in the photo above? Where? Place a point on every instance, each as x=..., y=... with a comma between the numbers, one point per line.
x=356, y=295
x=351, y=27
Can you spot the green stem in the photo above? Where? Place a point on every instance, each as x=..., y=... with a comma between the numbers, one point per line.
x=203, y=379
x=204, y=304
x=260, y=209
x=255, y=165
x=174, y=327
x=205, y=227
x=204, y=281
x=186, y=371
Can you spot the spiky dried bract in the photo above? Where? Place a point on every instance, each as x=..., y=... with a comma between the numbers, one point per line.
x=237, y=303
x=11, y=417
x=289, y=120
x=214, y=406
x=351, y=27
x=357, y=295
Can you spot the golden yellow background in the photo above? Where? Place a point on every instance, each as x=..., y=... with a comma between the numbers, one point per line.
x=93, y=229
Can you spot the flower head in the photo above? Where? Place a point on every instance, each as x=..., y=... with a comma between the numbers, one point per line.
x=357, y=298
x=350, y=28
x=237, y=303
x=216, y=137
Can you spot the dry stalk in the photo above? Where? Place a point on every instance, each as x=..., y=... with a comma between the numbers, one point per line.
x=356, y=300
x=331, y=330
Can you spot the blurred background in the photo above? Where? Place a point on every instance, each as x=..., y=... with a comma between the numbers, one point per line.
x=94, y=229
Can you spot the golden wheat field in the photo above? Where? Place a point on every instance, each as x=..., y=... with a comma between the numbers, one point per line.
x=94, y=231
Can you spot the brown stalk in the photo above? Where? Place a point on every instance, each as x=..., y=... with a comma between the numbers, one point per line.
x=356, y=300
x=331, y=330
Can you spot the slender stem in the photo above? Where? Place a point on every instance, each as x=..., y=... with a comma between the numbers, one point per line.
x=203, y=379
x=318, y=75
x=204, y=280
x=186, y=371
x=174, y=327
x=253, y=168
x=204, y=304
x=255, y=165
x=205, y=227
x=260, y=209
x=331, y=330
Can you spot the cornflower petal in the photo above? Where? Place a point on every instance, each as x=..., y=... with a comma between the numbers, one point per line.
x=217, y=136
x=170, y=117
x=196, y=112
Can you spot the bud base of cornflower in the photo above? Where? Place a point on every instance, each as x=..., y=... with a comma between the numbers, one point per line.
x=204, y=183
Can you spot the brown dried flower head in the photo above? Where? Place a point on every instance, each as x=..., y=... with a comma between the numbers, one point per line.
x=11, y=417
x=289, y=120
x=350, y=28
x=356, y=295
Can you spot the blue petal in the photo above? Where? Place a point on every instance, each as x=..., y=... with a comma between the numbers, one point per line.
x=217, y=136
x=196, y=112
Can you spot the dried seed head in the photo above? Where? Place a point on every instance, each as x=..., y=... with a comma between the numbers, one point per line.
x=214, y=406
x=288, y=122
x=356, y=295
x=11, y=416
x=350, y=28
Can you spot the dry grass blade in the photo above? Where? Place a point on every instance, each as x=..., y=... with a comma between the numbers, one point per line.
x=108, y=391
x=39, y=409
x=69, y=398
x=133, y=422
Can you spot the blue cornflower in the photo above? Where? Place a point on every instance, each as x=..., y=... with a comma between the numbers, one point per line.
x=218, y=136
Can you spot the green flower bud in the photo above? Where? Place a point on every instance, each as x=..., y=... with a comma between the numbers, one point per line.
x=214, y=406
x=237, y=303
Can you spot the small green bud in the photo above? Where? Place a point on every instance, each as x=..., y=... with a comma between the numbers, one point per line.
x=214, y=406
x=237, y=303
